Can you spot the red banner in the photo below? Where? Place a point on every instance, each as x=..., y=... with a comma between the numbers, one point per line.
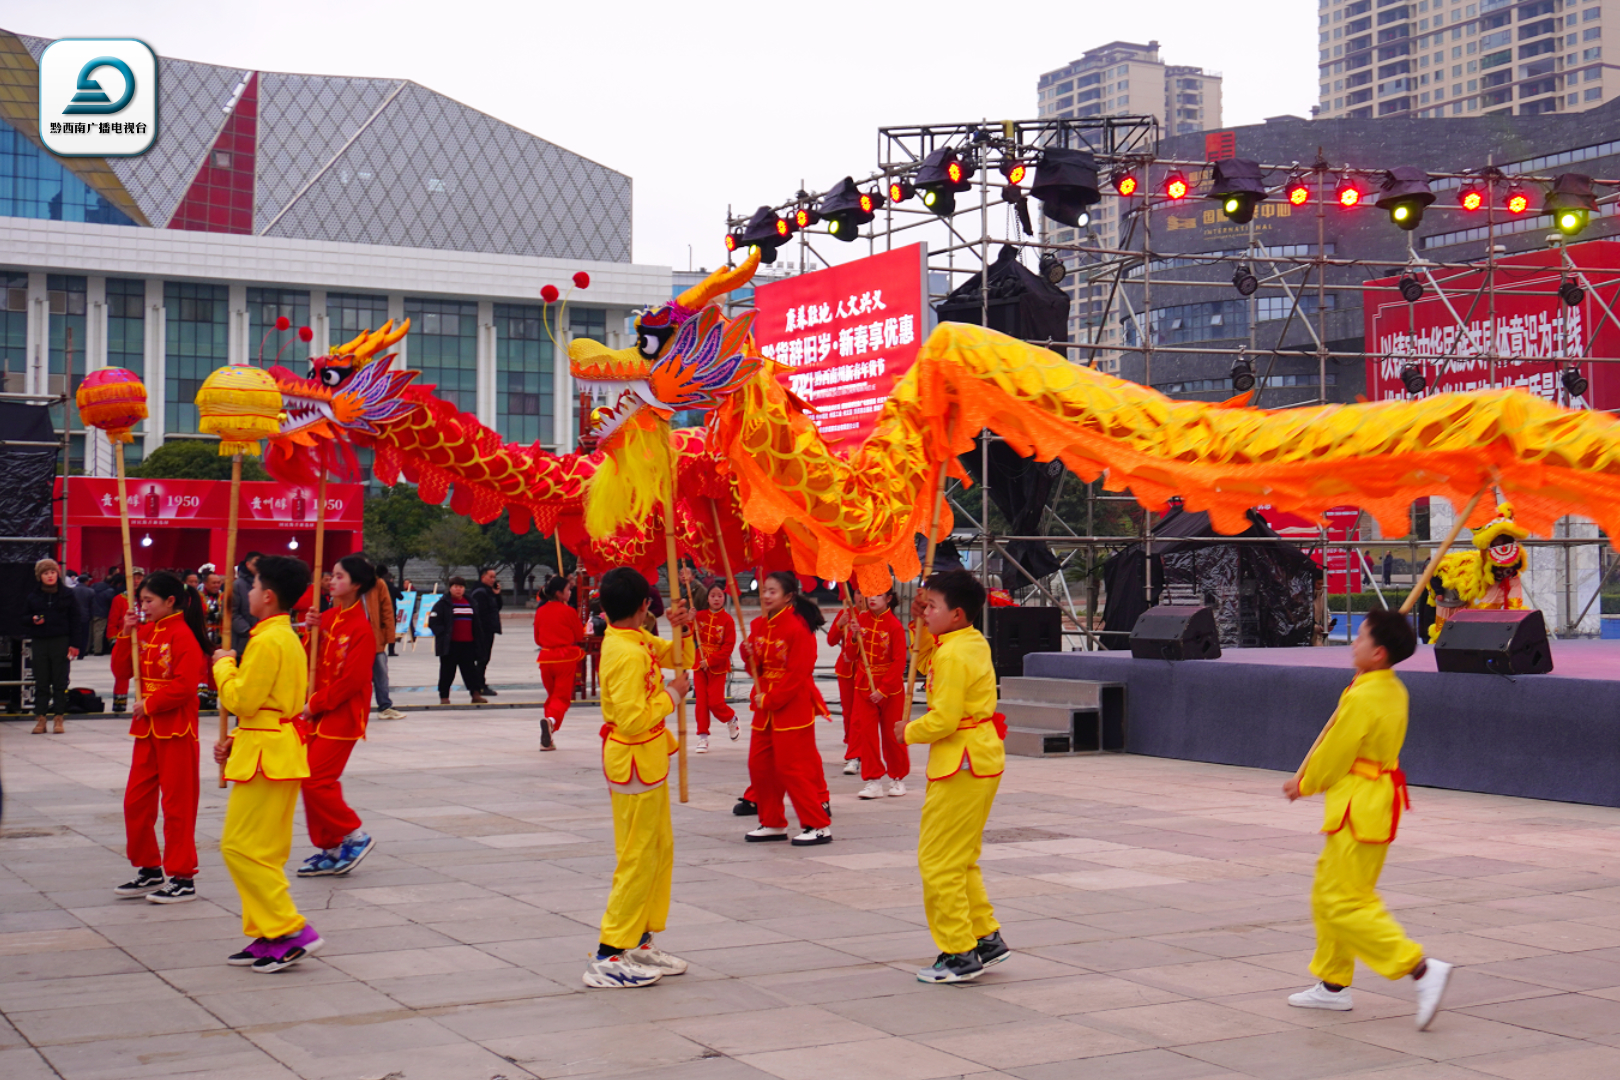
x=849, y=333
x=1529, y=319
x=1343, y=570
x=206, y=504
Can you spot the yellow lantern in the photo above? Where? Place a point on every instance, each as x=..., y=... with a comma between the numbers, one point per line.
x=241, y=405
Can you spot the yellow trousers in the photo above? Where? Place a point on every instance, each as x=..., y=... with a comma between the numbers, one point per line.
x=256, y=843
x=954, y=813
x=644, y=841
x=1351, y=921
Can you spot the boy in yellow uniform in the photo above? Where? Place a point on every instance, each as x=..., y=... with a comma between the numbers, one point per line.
x=1358, y=764
x=265, y=759
x=635, y=759
x=966, y=756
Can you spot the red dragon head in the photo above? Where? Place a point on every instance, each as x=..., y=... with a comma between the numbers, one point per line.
x=349, y=388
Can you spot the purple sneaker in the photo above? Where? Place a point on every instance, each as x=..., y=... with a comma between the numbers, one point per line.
x=250, y=955
x=284, y=952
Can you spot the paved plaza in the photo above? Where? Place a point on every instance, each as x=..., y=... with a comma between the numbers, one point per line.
x=1158, y=910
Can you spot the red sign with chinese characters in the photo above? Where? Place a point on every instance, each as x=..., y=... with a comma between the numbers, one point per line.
x=847, y=334
x=1529, y=319
x=206, y=504
x=1343, y=523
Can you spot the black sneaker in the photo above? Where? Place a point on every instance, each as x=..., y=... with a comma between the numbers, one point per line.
x=250, y=955
x=487, y=692
x=177, y=891
x=991, y=949
x=119, y=705
x=744, y=808
x=149, y=880
x=951, y=968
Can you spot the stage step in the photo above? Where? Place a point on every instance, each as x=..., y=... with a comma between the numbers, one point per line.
x=1079, y=693
x=1062, y=716
x=1036, y=714
x=1037, y=742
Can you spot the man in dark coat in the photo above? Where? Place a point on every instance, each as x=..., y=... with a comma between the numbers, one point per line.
x=487, y=603
x=242, y=620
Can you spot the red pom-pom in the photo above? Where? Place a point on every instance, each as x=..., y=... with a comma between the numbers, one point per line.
x=549, y=294
x=283, y=323
x=582, y=280
x=305, y=334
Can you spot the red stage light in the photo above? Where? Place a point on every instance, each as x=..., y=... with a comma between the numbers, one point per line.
x=954, y=172
x=731, y=241
x=783, y=229
x=1517, y=202
x=1176, y=186
x=1014, y=172
x=801, y=218
x=1126, y=185
x=1298, y=193
x=900, y=191
x=869, y=202
x=1471, y=199
x=1348, y=195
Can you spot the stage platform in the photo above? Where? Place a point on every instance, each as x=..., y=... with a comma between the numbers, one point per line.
x=1553, y=736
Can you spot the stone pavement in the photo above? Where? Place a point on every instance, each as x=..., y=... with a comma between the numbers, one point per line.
x=1158, y=909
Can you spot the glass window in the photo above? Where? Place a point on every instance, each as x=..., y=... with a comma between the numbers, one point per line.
x=348, y=315
x=523, y=374
x=265, y=306
x=444, y=348
x=197, y=318
x=14, y=331
x=126, y=336
x=35, y=185
x=66, y=300
x=588, y=322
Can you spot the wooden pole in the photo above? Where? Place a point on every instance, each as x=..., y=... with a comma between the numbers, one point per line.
x=928, y=569
x=855, y=632
x=556, y=538
x=674, y=597
x=320, y=556
x=230, y=592
x=697, y=639
x=129, y=573
x=731, y=579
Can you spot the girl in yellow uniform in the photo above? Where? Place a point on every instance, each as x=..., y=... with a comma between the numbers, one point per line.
x=1358, y=764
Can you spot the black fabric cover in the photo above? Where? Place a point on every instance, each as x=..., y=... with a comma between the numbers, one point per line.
x=1020, y=488
x=27, y=476
x=1023, y=304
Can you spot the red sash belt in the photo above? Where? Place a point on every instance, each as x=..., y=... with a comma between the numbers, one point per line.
x=1372, y=770
x=997, y=719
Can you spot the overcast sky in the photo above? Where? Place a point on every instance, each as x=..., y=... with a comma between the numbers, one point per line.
x=705, y=104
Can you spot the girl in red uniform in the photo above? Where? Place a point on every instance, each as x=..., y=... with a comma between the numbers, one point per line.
x=174, y=654
x=558, y=631
x=878, y=698
x=339, y=705
x=844, y=668
x=782, y=756
x=716, y=637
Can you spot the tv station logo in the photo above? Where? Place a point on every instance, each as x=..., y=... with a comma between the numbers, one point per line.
x=98, y=97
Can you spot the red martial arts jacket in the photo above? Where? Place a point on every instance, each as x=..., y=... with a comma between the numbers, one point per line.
x=785, y=695
x=844, y=667
x=716, y=637
x=341, y=701
x=172, y=666
x=883, y=640
x=558, y=632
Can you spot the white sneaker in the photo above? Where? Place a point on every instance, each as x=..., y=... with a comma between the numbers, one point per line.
x=764, y=833
x=1430, y=989
x=702, y=745
x=618, y=973
x=651, y=957
x=1320, y=997
x=390, y=714
x=733, y=729
x=872, y=790
x=811, y=837
x=897, y=788
x=852, y=767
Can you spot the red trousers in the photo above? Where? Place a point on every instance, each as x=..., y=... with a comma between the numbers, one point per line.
x=787, y=762
x=328, y=816
x=872, y=737
x=711, y=699
x=163, y=770
x=558, y=675
x=121, y=689
x=846, y=694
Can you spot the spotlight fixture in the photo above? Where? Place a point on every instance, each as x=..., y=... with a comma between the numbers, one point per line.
x=292, y=545
x=1242, y=375
x=804, y=218
x=1471, y=198
x=943, y=174
x=1405, y=193
x=1239, y=186
x=1347, y=194
x=900, y=190
x=146, y=541
x=1124, y=182
x=765, y=232
x=1571, y=202
x=1014, y=171
x=1411, y=288
x=1575, y=384
x=1244, y=281
x=1517, y=202
x=1066, y=184
x=1299, y=192
x=1175, y=187
x=846, y=208
x=733, y=241
x=1414, y=380
x=1571, y=293
x=1052, y=268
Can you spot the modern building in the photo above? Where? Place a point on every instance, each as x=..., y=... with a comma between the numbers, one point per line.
x=1456, y=58
x=1121, y=78
x=337, y=202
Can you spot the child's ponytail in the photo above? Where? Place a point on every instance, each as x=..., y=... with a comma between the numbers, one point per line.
x=804, y=607
x=187, y=603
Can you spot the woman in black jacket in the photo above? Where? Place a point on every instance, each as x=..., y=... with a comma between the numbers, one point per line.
x=52, y=616
x=456, y=641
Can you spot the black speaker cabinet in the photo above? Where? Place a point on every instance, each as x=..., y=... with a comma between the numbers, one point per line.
x=1015, y=632
x=1494, y=643
x=1170, y=632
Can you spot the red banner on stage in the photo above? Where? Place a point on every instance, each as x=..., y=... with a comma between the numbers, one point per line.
x=206, y=504
x=849, y=333
x=1342, y=568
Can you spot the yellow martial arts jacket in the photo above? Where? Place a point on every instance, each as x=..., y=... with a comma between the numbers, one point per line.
x=1358, y=763
x=635, y=743
x=266, y=694
x=960, y=721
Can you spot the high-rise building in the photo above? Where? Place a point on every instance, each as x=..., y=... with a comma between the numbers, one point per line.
x=1434, y=58
x=1127, y=79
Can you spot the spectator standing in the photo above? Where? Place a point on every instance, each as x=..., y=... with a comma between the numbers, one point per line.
x=455, y=641
x=380, y=609
x=1389, y=565
x=243, y=620
x=213, y=598
x=52, y=616
x=100, y=608
x=487, y=604
x=396, y=595
x=85, y=597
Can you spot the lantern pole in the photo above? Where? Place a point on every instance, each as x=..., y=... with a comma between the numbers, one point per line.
x=129, y=577
x=228, y=594
x=320, y=556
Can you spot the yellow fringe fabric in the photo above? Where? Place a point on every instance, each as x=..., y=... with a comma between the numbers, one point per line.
x=630, y=484
x=241, y=405
x=114, y=400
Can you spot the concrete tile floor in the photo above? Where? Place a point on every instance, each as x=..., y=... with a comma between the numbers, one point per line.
x=1158, y=908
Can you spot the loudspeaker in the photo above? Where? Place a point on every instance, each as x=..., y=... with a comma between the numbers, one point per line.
x=1494, y=643
x=1171, y=632
x=1015, y=632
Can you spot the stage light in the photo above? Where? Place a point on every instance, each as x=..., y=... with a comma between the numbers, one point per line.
x=804, y=218
x=1052, y=268
x=1571, y=293
x=765, y=232
x=1571, y=202
x=1347, y=194
x=1414, y=380
x=1299, y=192
x=940, y=178
x=845, y=209
x=1517, y=202
x=146, y=541
x=1014, y=171
x=1175, y=187
x=1124, y=182
x=292, y=545
x=1575, y=383
x=1244, y=282
x=1405, y=193
x=1242, y=375
x=900, y=190
x=1471, y=198
x=1411, y=288
x=1066, y=184
x=732, y=241
x=1239, y=186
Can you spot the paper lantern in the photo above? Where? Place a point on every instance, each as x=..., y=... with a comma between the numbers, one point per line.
x=114, y=400
x=241, y=405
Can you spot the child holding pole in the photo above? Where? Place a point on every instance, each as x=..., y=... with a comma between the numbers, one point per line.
x=716, y=635
x=878, y=697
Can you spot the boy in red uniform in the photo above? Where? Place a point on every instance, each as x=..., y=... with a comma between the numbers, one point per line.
x=338, y=710
x=173, y=641
x=558, y=631
x=782, y=755
x=115, y=618
x=716, y=634
x=844, y=669
x=880, y=673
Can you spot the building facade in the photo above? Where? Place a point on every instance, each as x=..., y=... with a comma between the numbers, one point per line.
x=339, y=203
x=1457, y=58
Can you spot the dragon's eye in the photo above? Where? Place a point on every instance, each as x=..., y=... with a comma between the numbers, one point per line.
x=331, y=376
x=650, y=340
